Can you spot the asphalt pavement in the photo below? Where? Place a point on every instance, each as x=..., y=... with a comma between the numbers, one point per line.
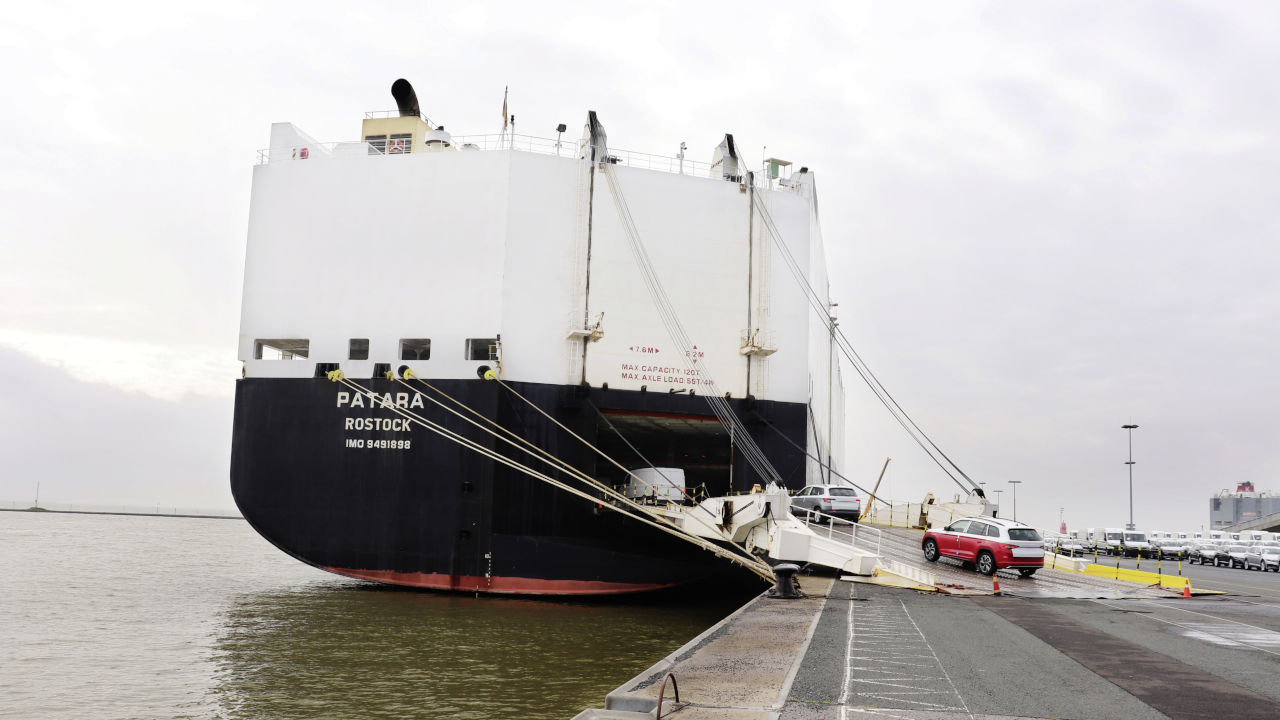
x=886, y=652
x=1058, y=645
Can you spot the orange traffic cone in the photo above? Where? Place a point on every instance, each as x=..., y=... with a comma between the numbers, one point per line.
x=996, y=589
x=1186, y=589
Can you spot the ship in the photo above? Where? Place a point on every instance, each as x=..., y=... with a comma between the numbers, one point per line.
x=413, y=300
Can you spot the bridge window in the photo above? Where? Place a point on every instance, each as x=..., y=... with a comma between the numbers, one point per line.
x=415, y=349
x=283, y=349
x=377, y=144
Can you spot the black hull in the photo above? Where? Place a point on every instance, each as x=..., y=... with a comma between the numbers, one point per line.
x=356, y=501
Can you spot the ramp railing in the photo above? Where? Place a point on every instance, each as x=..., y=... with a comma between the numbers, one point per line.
x=841, y=530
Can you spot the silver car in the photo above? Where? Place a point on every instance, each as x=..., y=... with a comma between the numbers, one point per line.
x=1170, y=549
x=838, y=500
x=1239, y=555
x=1069, y=546
x=1253, y=558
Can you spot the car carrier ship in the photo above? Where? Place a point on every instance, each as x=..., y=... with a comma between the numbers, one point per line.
x=418, y=305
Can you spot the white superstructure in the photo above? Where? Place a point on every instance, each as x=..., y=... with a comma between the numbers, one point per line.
x=450, y=255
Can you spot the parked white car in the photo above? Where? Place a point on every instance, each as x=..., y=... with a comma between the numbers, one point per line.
x=1270, y=556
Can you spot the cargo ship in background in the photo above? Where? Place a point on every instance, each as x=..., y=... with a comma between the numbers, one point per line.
x=1245, y=505
x=424, y=267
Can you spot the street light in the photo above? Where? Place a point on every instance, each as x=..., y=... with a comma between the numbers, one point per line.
x=1015, y=484
x=997, y=494
x=1130, y=428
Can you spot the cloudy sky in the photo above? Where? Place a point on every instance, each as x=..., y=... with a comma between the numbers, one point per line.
x=1044, y=220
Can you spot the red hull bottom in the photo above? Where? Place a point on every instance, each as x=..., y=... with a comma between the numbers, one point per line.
x=498, y=585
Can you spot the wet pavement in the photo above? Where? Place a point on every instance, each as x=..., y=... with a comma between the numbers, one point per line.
x=1057, y=645
x=873, y=651
x=903, y=545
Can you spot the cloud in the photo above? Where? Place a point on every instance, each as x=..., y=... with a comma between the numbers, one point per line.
x=96, y=444
x=1043, y=220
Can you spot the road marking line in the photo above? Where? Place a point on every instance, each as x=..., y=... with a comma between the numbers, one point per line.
x=848, y=648
x=935, y=657
x=1201, y=631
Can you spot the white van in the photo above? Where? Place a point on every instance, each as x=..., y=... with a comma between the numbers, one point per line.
x=1135, y=543
x=1108, y=540
x=657, y=484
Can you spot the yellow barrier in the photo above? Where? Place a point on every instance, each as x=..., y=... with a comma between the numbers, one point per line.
x=1137, y=576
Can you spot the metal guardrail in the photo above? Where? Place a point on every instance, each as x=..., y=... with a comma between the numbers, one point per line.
x=374, y=114
x=814, y=517
x=509, y=141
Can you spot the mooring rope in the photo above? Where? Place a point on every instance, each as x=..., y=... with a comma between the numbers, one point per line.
x=530, y=448
x=751, y=563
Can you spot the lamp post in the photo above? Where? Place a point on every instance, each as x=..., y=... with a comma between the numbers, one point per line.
x=997, y=494
x=1015, y=484
x=1130, y=428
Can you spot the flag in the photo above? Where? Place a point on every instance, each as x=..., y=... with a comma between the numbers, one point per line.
x=504, y=107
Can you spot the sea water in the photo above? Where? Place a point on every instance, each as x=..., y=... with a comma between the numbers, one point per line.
x=154, y=617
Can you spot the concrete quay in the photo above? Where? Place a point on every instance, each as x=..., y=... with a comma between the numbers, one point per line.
x=854, y=650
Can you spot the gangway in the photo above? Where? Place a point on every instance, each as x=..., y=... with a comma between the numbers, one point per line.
x=763, y=524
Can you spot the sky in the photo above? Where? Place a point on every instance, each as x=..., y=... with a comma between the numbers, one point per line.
x=1043, y=220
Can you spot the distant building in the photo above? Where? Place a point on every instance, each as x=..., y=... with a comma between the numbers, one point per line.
x=1243, y=505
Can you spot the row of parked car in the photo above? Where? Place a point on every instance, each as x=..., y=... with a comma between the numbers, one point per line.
x=1253, y=555
x=1250, y=554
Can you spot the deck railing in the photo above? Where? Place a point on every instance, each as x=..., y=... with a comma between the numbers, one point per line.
x=508, y=141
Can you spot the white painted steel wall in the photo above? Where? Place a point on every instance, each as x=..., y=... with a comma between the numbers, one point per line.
x=450, y=246
x=695, y=232
x=384, y=248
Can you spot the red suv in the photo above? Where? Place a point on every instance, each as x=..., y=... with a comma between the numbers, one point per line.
x=991, y=544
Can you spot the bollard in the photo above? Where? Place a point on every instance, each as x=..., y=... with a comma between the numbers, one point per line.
x=785, y=582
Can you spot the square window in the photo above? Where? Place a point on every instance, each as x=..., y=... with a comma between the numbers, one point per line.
x=281, y=349
x=482, y=348
x=415, y=349
x=358, y=349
